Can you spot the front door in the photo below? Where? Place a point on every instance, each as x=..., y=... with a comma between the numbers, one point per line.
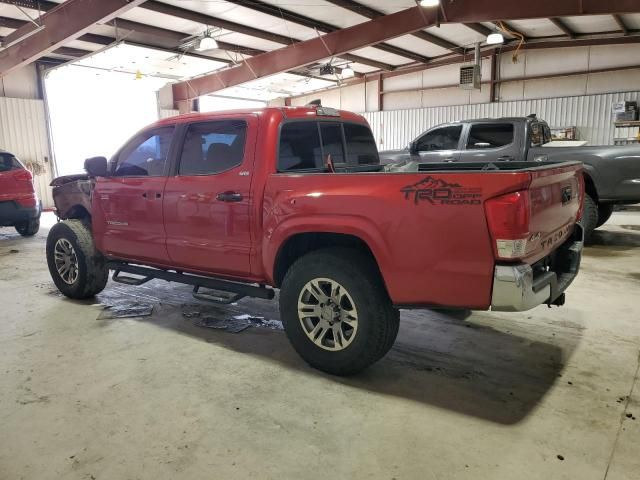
x=207, y=201
x=127, y=205
x=440, y=144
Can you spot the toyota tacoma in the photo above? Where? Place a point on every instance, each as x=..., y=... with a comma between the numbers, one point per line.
x=245, y=202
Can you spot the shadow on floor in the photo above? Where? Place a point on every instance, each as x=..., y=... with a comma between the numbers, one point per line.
x=440, y=358
x=615, y=240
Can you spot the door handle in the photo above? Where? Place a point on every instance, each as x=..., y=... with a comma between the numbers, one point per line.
x=229, y=196
x=144, y=194
x=505, y=158
x=449, y=159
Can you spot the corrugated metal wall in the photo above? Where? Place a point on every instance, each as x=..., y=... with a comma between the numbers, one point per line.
x=591, y=114
x=23, y=132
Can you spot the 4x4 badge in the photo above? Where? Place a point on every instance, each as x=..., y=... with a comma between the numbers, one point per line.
x=439, y=192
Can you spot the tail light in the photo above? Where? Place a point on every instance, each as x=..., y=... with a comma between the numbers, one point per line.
x=24, y=175
x=508, y=217
x=581, y=189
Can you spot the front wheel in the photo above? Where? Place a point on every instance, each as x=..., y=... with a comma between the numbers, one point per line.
x=76, y=267
x=336, y=311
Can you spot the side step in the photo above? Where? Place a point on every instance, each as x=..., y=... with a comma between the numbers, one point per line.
x=147, y=273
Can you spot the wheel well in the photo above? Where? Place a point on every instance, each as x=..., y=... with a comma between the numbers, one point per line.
x=79, y=212
x=590, y=187
x=302, y=243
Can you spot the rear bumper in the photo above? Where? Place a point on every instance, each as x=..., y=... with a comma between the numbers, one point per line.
x=522, y=287
x=12, y=213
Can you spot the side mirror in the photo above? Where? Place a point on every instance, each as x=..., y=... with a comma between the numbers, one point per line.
x=96, y=166
x=413, y=148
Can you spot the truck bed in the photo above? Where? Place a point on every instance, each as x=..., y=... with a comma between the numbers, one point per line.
x=427, y=225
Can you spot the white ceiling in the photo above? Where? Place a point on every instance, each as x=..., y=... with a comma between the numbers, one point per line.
x=159, y=63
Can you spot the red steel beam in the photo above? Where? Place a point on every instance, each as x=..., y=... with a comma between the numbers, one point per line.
x=468, y=11
x=67, y=21
x=384, y=28
x=330, y=45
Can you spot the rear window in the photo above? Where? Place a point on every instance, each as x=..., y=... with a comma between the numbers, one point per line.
x=490, y=135
x=9, y=162
x=306, y=145
x=361, y=146
x=299, y=147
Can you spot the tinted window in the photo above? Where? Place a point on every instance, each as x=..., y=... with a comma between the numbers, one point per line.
x=213, y=147
x=445, y=138
x=145, y=155
x=332, y=141
x=9, y=162
x=299, y=146
x=538, y=134
x=490, y=135
x=361, y=146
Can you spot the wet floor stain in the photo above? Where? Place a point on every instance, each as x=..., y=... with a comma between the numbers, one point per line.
x=631, y=227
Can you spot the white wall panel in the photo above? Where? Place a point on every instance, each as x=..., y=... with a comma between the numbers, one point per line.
x=558, y=86
x=591, y=114
x=352, y=98
x=371, y=94
x=22, y=83
x=23, y=132
x=623, y=80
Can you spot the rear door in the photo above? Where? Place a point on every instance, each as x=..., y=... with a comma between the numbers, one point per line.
x=440, y=144
x=128, y=217
x=490, y=142
x=207, y=199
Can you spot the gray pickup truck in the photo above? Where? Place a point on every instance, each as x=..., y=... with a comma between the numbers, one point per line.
x=611, y=173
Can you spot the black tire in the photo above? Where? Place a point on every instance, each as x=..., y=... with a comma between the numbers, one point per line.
x=28, y=228
x=91, y=273
x=604, y=213
x=377, y=319
x=589, y=217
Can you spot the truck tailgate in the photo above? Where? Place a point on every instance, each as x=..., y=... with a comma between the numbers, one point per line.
x=556, y=196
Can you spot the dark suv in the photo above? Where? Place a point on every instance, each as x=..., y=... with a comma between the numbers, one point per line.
x=19, y=204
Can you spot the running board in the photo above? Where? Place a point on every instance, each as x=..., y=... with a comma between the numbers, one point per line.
x=147, y=273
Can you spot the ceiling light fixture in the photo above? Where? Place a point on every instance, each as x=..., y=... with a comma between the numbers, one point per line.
x=429, y=3
x=347, y=72
x=207, y=43
x=495, y=38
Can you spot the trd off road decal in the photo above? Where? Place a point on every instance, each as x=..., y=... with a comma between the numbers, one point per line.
x=438, y=192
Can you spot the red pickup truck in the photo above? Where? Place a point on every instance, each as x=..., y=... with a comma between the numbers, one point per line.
x=244, y=202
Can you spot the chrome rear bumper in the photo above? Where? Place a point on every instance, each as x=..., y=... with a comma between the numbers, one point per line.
x=518, y=287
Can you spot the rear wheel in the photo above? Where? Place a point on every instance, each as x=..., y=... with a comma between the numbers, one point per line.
x=336, y=311
x=76, y=267
x=604, y=213
x=28, y=228
x=589, y=219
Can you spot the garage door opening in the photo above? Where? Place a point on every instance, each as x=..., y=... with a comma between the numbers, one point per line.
x=94, y=111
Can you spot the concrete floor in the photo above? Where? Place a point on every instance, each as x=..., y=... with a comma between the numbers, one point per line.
x=543, y=394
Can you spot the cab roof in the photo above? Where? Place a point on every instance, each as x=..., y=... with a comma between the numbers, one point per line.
x=314, y=111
